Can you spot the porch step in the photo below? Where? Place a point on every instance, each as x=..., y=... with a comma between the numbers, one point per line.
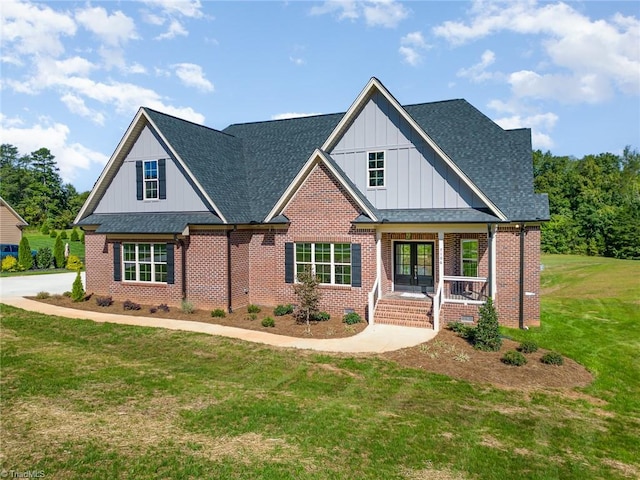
x=408, y=313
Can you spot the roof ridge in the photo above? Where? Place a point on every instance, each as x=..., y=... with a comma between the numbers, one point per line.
x=285, y=119
x=173, y=117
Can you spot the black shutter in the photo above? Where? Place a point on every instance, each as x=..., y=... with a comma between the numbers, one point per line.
x=288, y=262
x=117, y=271
x=170, y=264
x=139, y=180
x=356, y=265
x=162, y=179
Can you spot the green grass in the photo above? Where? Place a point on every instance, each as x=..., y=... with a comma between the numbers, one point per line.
x=82, y=399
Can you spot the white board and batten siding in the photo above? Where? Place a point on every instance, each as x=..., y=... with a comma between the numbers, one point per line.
x=120, y=197
x=415, y=176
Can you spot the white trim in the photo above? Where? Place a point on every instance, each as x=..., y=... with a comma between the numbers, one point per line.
x=493, y=286
x=332, y=262
x=358, y=104
x=379, y=262
x=440, y=256
x=137, y=263
x=369, y=169
x=145, y=180
x=462, y=241
x=14, y=213
x=316, y=157
x=431, y=228
x=393, y=259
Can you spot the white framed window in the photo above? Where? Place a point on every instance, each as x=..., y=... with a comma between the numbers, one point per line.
x=151, y=180
x=330, y=262
x=469, y=257
x=375, y=170
x=144, y=262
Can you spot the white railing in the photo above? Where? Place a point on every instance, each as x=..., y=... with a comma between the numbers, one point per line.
x=373, y=300
x=465, y=289
x=437, y=304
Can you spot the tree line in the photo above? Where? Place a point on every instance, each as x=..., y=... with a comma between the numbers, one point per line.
x=594, y=201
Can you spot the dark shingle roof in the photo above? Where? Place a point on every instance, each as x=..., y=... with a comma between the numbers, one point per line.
x=148, y=222
x=437, y=215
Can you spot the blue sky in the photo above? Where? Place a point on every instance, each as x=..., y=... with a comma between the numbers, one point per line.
x=75, y=73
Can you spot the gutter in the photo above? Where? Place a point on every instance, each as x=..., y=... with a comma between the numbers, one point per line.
x=184, y=268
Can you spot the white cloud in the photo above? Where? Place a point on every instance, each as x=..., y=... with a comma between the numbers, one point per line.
x=594, y=57
x=478, y=72
x=175, y=29
x=287, y=115
x=115, y=29
x=518, y=115
x=376, y=13
x=186, y=8
x=296, y=60
x=191, y=75
x=76, y=105
x=411, y=47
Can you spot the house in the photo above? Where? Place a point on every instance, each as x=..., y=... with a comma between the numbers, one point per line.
x=410, y=215
x=11, y=224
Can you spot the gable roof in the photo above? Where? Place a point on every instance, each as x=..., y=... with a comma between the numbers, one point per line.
x=246, y=171
x=21, y=221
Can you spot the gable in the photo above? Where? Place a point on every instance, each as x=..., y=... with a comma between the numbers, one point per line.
x=415, y=176
x=121, y=195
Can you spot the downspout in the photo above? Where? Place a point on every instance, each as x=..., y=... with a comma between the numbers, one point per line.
x=490, y=246
x=229, y=307
x=521, y=312
x=183, y=254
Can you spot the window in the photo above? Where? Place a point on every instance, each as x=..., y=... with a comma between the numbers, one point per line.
x=151, y=180
x=145, y=262
x=331, y=262
x=376, y=169
x=469, y=252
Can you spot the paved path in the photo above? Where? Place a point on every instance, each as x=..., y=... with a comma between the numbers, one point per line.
x=374, y=339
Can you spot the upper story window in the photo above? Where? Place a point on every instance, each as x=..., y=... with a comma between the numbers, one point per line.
x=151, y=180
x=330, y=262
x=376, y=169
x=469, y=260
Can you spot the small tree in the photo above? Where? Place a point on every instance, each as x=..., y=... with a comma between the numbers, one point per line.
x=44, y=257
x=75, y=237
x=487, y=334
x=58, y=253
x=77, y=291
x=25, y=260
x=308, y=296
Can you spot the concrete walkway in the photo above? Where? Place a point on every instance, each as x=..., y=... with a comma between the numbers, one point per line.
x=374, y=339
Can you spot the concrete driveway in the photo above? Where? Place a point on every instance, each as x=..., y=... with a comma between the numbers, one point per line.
x=29, y=285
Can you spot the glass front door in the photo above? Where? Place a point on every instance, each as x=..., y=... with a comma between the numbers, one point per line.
x=413, y=270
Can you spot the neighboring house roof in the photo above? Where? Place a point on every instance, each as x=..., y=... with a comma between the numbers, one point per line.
x=21, y=221
x=250, y=170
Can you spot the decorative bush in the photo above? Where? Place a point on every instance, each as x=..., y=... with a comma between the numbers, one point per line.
x=268, y=322
x=486, y=336
x=53, y=234
x=464, y=331
x=321, y=317
x=253, y=308
x=82, y=237
x=352, y=318
x=63, y=234
x=129, y=305
x=153, y=310
x=74, y=237
x=164, y=307
x=66, y=294
x=104, y=301
x=58, y=253
x=77, y=291
x=552, y=358
x=219, y=313
x=9, y=264
x=252, y=316
x=528, y=346
x=45, y=229
x=42, y=295
x=187, y=306
x=281, y=310
x=74, y=263
x=25, y=259
x=514, y=358
x=44, y=258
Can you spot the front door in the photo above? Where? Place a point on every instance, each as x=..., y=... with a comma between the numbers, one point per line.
x=413, y=267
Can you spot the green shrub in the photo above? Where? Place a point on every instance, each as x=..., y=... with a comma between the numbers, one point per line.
x=25, y=259
x=268, y=322
x=74, y=237
x=44, y=258
x=351, y=318
x=77, y=291
x=58, y=253
x=104, y=301
x=63, y=234
x=515, y=358
x=321, y=317
x=463, y=330
x=53, y=234
x=9, y=264
x=528, y=346
x=252, y=316
x=82, y=237
x=218, y=312
x=486, y=336
x=45, y=229
x=74, y=263
x=281, y=310
x=253, y=308
x=187, y=306
x=552, y=358
x=129, y=305
x=42, y=295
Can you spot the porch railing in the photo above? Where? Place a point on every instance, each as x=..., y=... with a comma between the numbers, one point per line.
x=373, y=300
x=437, y=304
x=465, y=289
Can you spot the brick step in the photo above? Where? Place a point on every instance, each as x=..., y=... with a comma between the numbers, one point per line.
x=402, y=312
x=405, y=323
x=404, y=309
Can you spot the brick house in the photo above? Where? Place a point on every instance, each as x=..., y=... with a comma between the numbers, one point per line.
x=409, y=215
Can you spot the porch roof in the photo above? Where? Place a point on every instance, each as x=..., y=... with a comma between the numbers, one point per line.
x=432, y=215
x=148, y=222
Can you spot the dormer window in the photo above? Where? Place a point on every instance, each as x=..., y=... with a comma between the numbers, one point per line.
x=376, y=169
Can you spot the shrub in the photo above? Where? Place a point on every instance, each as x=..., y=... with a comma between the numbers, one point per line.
x=351, y=318
x=164, y=307
x=153, y=310
x=464, y=331
x=74, y=263
x=268, y=322
x=53, y=234
x=66, y=294
x=308, y=295
x=486, y=336
x=77, y=291
x=252, y=316
x=281, y=310
x=528, y=346
x=104, y=301
x=219, y=313
x=552, y=358
x=9, y=264
x=42, y=295
x=514, y=358
x=63, y=234
x=321, y=317
x=74, y=237
x=58, y=252
x=129, y=305
x=45, y=229
x=251, y=308
x=44, y=258
x=25, y=259
x=187, y=306
x=82, y=237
